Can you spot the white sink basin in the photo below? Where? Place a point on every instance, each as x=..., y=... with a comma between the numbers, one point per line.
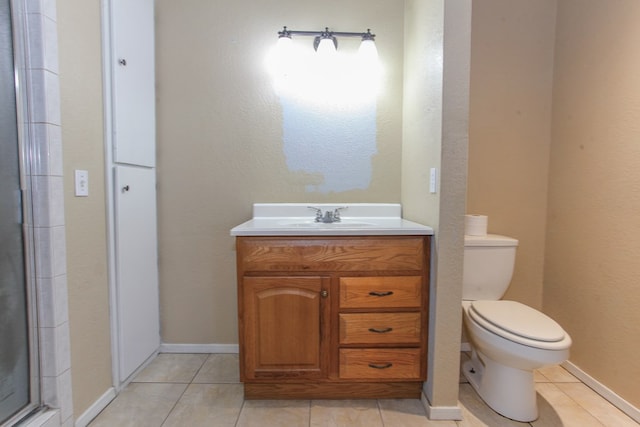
x=357, y=219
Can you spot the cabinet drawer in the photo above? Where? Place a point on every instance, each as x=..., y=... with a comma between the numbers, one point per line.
x=381, y=292
x=331, y=254
x=380, y=363
x=379, y=328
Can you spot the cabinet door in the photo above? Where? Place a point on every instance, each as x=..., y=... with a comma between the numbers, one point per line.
x=137, y=267
x=285, y=327
x=134, y=120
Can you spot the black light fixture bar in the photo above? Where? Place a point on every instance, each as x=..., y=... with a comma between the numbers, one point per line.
x=288, y=33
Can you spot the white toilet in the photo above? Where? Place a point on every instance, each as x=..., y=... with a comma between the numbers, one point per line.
x=508, y=339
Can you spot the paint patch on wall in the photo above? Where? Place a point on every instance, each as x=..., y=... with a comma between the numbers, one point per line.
x=329, y=118
x=338, y=144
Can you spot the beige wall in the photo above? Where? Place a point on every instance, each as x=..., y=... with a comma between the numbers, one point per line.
x=82, y=134
x=510, y=129
x=592, y=270
x=435, y=135
x=220, y=141
x=553, y=161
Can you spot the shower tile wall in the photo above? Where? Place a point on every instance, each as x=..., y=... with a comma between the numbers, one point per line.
x=45, y=176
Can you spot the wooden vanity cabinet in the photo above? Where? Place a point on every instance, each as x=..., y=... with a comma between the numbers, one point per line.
x=333, y=317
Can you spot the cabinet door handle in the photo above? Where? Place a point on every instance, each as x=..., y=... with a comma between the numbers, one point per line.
x=385, y=366
x=324, y=294
x=380, y=331
x=380, y=294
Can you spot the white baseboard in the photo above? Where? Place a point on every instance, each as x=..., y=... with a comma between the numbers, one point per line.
x=603, y=391
x=198, y=348
x=97, y=407
x=441, y=412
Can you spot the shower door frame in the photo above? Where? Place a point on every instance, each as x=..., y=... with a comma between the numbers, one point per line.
x=39, y=122
x=18, y=50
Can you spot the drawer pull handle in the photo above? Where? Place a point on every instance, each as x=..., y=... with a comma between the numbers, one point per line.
x=385, y=366
x=380, y=294
x=380, y=331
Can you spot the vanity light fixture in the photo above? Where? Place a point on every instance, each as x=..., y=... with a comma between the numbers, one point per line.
x=326, y=41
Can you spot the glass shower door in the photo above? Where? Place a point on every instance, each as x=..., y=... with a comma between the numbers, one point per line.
x=15, y=341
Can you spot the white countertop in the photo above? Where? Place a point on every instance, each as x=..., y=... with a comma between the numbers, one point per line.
x=358, y=219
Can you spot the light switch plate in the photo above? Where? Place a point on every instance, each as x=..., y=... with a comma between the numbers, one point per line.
x=433, y=177
x=82, y=183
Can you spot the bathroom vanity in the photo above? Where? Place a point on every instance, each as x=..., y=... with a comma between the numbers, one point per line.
x=332, y=310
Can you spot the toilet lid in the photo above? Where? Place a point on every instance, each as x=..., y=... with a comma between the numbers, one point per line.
x=518, y=319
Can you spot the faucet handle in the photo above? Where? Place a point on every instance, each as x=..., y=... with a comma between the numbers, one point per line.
x=318, y=213
x=336, y=213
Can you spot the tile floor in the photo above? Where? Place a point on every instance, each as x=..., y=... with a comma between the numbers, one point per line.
x=203, y=390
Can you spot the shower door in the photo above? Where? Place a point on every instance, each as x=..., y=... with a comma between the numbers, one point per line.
x=16, y=375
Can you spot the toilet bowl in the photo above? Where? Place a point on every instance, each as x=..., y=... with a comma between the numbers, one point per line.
x=509, y=340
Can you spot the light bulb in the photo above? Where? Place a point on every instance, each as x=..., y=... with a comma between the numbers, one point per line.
x=326, y=47
x=368, y=52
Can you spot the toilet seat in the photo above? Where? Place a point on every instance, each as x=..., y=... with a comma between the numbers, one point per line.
x=519, y=323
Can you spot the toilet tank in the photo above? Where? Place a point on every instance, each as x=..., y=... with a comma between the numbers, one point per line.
x=488, y=266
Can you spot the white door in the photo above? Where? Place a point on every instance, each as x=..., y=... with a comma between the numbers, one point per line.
x=134, y=124
x=137, y=297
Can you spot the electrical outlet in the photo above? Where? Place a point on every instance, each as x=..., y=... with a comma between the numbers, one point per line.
x=82, y=183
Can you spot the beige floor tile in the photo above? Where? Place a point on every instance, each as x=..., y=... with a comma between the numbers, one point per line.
x=476, y=413
x=140, y=405
x=538, y=377
x=274, y=413
x=172, y=368
x=345, y=413
x=597, y=406
x=557, y=409
x=557, y=374
x=212, y=405
x=218, y=369
x=407, y=413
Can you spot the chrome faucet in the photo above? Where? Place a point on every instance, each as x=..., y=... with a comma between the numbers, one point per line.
x=328, y=217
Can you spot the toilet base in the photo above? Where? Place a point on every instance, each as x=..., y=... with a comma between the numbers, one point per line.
x=508, y=391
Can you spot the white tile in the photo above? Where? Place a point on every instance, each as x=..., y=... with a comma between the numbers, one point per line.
x=65, y=395
x=58, y=240
x=558, y=409
x=35, y=22
x=345, y=413
x=140, y=405
x=47, y=156
x=56, y=393
x=207, y=405
x=48, y=200
x=44, y=251
x=274, y=413
x=557, y=374
x=37, y=101
x=43, y=43
x=52, y=94
x=49, y=9
x=50, y=56
x=33, y=6
x=55, y=350
x=476, y=413
x=172, y=368
x=408, y=413
x=597, y=405
x=219, y=368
